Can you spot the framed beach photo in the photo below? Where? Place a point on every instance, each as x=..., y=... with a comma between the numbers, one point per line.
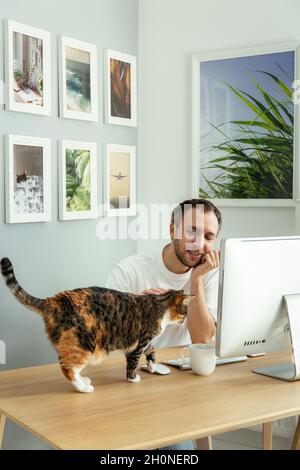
x=245, y=127
x=119, y=180
x=120, y=87
x=28, y=76
x=28, y=179
x=78, y=85
x=78, y=180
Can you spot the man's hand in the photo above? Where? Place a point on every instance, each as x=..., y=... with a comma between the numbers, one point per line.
x=209, y=261
x=155, y=290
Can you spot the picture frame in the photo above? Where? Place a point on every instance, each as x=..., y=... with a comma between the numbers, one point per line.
x=240, y=98
x=77, y=180
x=28, y=179
x=119, y=182
x=28, y=69
x=120, y=88
x=78, y=81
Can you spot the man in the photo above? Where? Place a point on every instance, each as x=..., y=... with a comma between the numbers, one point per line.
x=188, y=262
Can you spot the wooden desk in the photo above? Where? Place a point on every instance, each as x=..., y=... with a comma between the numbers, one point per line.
x=158, y=411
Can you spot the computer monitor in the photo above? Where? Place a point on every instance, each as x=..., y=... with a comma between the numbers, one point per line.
x=259, y=300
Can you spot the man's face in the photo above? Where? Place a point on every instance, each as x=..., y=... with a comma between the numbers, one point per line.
x=194, y=236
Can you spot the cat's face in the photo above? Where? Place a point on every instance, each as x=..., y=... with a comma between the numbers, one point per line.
x=178, y=309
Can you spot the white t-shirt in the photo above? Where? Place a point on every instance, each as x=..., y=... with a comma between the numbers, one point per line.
x=145, y=271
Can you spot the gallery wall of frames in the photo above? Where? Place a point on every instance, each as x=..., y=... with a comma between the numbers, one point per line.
x=28, y=158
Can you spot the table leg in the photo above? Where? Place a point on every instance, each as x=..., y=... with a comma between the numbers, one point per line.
x=267, y=436
x=204, y=443
x=296, y=440
x=2, y=426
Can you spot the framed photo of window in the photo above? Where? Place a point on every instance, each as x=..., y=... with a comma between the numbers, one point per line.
x=28, y=74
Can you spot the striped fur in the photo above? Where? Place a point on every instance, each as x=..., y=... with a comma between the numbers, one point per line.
x=85, y=325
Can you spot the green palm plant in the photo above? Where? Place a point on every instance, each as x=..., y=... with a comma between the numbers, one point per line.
x=78, y=180
x=258, y=163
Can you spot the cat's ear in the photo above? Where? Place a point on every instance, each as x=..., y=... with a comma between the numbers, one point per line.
x=187, y=298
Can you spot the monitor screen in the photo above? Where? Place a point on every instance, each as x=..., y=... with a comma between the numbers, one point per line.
x=255, y=274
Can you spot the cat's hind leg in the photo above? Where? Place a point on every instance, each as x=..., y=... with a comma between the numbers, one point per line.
x=73, y=358
x=81, y=384
x=86, y=379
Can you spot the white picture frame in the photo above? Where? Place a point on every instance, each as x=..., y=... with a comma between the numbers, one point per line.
x=197, y=60
x=119, y=69
x=119, y=199
x=27, y=179
x=78, y=79
x=72, y=207
x=28, y=69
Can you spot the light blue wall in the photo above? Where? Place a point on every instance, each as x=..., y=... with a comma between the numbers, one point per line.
x=170, y=32
x=53, y=256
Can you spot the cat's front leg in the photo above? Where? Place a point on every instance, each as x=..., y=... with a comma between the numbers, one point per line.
x=150, y=354
x=132, y=359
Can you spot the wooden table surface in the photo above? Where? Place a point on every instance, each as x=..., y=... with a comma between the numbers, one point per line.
x=157, y=411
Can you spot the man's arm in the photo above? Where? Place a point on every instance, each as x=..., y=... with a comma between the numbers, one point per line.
x=201, y=324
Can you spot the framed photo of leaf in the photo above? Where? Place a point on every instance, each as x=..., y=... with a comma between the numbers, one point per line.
x=244, y=138
x=78, y=180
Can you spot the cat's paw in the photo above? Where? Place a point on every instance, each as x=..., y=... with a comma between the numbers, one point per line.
x=135, y=380
x=151, y=366
x=89, y=389
x=86, y=380
x=83, y=387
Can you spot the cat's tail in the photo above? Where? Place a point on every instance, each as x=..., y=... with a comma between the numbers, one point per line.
x=33, y=303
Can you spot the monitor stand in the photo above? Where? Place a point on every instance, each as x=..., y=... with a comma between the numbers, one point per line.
x=289, y=371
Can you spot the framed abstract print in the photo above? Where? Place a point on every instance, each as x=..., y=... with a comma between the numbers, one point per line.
x=78, y=80
x=120, y=88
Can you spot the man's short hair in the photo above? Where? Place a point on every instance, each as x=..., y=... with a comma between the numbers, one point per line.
x=207, y=206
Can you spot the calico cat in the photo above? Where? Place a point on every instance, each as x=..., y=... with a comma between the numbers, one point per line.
x=85, y=325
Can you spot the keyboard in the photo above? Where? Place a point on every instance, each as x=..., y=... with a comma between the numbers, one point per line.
x=220, y=361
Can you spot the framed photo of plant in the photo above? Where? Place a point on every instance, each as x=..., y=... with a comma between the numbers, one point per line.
x=78, y=85
x=27, y=179
x=27, y=69
x=120, y=84
x=78, y=180
x=245, y=127
x=119, y=180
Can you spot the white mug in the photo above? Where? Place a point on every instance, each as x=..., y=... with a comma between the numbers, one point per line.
x=202, y=358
